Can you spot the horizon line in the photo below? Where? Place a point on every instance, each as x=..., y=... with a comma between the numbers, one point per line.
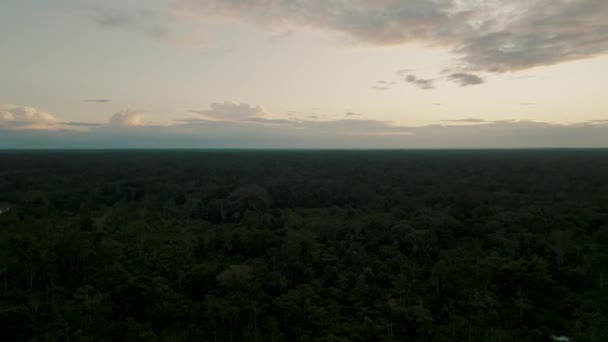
x=299, y=149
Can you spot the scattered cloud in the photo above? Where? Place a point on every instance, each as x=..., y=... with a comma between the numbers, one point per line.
x=231, y=125
x=421, y=83
x=99, y=100
x=82, y=124
x=347, y=133
x=241, y=125
x=468, y=120
x=466, y=79
x=352, y=127
x=126, y=118
x=384, y=85
x=275, y=122
x=527, y=103
x=230, y=111
x=486, y=36
x=23, y=117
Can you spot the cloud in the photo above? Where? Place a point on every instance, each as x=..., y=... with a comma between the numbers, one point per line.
x=82, y=124
x=465, y=79
x=348, y=133
x=126, y=118
x=144, y=21
x=351, y=114
x=486, y=36
x=311, y=126
x=229, y=111
x=468, y=120
x=381, y=87
x=393, y=21
x=23, y=117
x=384, y=85
x=99, y=100
x=512, y=134
x=421, y=83
x=230, y=125
x=275, y=122
x=544, y=32
x=352, y=127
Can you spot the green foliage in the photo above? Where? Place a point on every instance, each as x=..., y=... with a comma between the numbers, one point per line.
x=304, y=246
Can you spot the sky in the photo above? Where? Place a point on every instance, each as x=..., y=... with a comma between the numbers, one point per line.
x=303, y=73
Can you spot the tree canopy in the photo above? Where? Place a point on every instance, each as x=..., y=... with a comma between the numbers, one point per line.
x=304, y=245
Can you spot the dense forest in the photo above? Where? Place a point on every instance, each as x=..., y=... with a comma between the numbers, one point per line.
x=276, y=246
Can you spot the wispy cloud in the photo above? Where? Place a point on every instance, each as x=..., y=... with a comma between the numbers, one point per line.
x=145, y=21
x=230, y=111
x=384, y=85
x=381, y=87
x=466, y=79
x=421, y=83
x=275, y=122
x=468, y=120
x=83, y=124
x=98, y=100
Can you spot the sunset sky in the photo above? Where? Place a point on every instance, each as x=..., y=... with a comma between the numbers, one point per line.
x=303, y=73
